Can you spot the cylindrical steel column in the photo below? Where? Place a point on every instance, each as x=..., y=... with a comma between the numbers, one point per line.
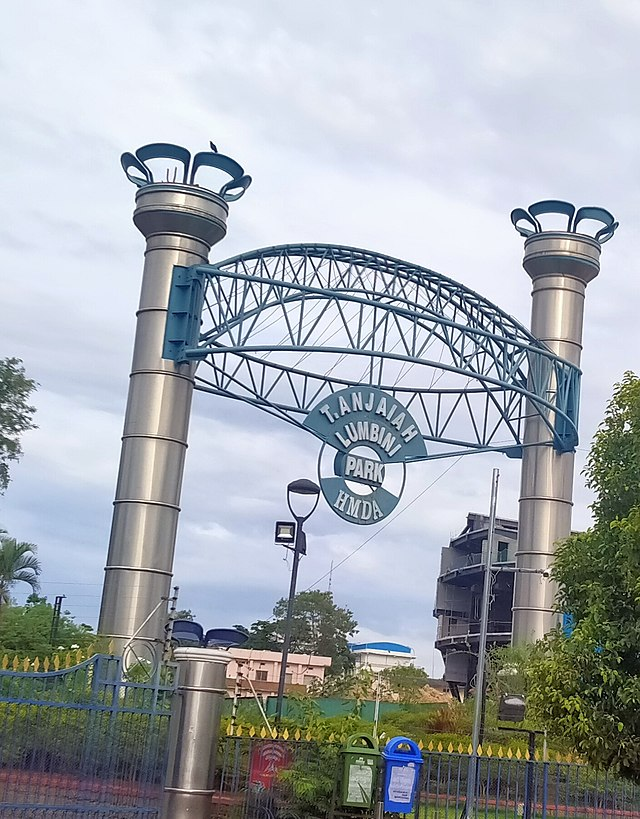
x=193, y=734
x=561, y=264
x=180, y=223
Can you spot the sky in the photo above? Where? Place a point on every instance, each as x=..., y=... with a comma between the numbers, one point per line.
x=412, y=129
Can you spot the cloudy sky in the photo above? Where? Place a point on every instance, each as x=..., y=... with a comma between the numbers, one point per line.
x=408, y=128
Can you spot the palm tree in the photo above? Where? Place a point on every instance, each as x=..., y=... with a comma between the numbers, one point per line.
x=18, y=564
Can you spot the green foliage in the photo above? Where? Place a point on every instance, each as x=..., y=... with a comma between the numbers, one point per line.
x=18, y=564
x=587, y=687
x=350, y=684
x=15, y=413
x=507, y=670
x=406, y=682
x=452, y=718
x=312, y=776
x=401, y=683
x=319, y=627
x=184, y=614
x=26, y=630
x=312, y=779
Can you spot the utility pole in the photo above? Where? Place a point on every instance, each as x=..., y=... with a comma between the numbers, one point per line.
x=55, y=619
x=472, y=773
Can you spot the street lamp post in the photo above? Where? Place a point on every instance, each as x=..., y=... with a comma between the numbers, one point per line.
x=303, y=486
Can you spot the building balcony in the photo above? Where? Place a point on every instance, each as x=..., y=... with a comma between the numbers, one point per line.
x=452, y=634
x=467, y=566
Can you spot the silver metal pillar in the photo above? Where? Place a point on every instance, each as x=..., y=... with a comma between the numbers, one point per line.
x=193, y=734
x=180, y=223
x=560, y=264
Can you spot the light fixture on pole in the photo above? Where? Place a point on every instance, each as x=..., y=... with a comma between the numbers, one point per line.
x=292, y=536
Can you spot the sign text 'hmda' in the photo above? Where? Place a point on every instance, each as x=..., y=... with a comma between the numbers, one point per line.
x=359, y=508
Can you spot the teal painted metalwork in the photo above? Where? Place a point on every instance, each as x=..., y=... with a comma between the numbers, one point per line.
x=138, y=171
x=526, y=221
x=83, y=742
x=283, y=327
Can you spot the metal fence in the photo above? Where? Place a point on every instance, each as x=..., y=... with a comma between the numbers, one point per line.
x=273, y=779
x=83, y=741
x=86, y=742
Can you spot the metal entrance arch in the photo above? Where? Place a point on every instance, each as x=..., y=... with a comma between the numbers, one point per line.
x=283, y=327
x=287, y=328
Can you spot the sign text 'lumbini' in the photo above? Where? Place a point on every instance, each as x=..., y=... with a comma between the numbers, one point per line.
x=369, y=431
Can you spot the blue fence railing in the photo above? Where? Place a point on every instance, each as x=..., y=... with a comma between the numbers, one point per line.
x=83, y=742
x=89, y=743
x=252, y=785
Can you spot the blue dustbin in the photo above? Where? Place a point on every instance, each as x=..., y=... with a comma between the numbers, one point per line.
x=402, y=761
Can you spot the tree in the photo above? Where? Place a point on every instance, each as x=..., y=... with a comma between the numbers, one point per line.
x=586, y=685
x=357, y=684
x=18, y=564
x=184, y=614
x=15, y=413
x=26, y=630
x=404, y=682
x=318, y=627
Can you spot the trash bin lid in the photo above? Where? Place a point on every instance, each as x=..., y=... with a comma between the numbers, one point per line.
x=402, y=749
x=361, y=744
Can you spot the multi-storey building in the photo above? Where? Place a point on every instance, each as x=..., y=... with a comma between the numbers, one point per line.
x=262, y=669
x=380, y=655
x=459, y=598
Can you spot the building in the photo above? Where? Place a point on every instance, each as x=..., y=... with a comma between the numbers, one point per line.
x=459, y=598
x=262, y=670
x=378, y=656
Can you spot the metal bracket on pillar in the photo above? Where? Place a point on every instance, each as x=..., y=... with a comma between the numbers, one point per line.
x=184, y=314
x=568, y=403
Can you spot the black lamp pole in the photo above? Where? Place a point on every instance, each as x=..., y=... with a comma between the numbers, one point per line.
x=299, y=487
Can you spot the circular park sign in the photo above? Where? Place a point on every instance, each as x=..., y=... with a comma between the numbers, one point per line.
x=368, y=439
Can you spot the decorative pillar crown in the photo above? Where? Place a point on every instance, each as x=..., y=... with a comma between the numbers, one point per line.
x=574, y=218
x=137, y=171
x=569, y=252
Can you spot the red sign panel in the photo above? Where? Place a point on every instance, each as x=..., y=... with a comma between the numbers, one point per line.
x=267, y=760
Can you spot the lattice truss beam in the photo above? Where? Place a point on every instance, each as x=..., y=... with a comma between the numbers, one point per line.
x=282, y=327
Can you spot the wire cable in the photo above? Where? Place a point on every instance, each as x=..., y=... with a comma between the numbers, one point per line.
x=388, y=523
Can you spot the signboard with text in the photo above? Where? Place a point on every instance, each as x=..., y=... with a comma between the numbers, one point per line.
x=368, y=437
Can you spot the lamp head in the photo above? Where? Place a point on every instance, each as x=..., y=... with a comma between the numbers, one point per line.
x=305, y=487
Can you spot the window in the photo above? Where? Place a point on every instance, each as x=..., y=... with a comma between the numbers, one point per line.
x=309, y=678
x=288, y=677
x=261, y=676
x=503, y=551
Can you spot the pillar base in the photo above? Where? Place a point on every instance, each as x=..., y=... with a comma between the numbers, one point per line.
x=180, y=805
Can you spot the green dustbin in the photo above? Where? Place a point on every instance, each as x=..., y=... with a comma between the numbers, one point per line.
x=360, y=758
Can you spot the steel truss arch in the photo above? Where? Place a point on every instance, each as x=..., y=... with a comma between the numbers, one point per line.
x=284, y=326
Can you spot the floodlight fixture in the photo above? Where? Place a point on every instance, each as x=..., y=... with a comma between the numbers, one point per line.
x=285, y=534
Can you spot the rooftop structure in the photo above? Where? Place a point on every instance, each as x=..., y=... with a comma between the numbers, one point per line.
x=380, y=655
